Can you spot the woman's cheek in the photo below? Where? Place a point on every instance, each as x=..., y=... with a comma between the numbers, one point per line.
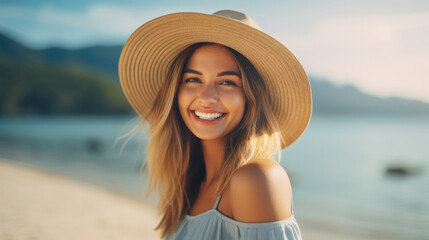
x=237, y=98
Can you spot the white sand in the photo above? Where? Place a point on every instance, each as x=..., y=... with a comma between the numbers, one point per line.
x=36, y=204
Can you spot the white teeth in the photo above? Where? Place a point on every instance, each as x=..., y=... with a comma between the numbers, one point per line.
x=208, y=116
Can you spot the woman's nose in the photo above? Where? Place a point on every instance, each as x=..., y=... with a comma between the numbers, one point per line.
x=209, y=94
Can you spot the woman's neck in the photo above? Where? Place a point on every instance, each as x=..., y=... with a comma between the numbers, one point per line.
x=213, y=152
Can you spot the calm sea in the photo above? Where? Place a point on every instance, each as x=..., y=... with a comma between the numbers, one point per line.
x=337, y=168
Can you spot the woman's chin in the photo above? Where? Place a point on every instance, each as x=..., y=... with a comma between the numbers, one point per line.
x=208, y=136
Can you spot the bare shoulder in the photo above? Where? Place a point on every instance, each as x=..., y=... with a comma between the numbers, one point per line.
x=260, y=192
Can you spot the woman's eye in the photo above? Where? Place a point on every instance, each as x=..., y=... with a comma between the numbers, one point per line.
x=191, y=80
x=230, y=83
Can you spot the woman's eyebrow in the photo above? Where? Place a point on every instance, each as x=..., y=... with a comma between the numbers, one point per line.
x=219, y=74
x=191, y=71
x=228, y=73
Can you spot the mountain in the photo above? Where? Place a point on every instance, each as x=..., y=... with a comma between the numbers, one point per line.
x=329, y=98
x=100, y=62
x=59, y=81
x=100, y=59
x=34, y=89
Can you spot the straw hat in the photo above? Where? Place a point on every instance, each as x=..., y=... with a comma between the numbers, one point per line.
x=151, y=49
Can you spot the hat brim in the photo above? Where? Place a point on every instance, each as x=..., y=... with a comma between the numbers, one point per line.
x=151, y=49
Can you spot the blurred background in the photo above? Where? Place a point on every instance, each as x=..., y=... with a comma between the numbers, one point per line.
x=360, y=170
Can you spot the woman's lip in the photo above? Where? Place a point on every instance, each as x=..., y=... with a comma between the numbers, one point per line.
x=207, y=122
x=207, y=111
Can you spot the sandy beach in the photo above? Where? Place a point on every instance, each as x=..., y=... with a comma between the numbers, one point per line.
x=37, y=204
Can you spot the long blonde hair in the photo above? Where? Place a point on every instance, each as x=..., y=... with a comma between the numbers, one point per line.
x=174, y=159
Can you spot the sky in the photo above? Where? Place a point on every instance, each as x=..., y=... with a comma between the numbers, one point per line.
x=380, y=46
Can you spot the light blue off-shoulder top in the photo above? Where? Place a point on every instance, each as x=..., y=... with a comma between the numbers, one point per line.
x=213, y=225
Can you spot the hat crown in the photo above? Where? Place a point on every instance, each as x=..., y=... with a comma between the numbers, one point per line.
x=238, y=16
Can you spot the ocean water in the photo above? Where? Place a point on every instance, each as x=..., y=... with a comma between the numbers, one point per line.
x=341, y=162
x=337, y=167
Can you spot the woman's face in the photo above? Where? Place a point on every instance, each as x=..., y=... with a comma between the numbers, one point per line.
x=210, y=97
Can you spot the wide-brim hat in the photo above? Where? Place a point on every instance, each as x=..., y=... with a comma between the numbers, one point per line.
x=151, y=49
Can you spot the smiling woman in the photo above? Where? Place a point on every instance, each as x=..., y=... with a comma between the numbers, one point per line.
x=219, y=107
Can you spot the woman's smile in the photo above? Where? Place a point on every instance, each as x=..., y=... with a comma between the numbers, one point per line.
x=210, y=97
x=207, y=118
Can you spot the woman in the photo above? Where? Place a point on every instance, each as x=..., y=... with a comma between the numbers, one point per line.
x=221, y=97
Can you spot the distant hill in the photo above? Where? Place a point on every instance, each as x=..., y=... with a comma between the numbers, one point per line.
x=34, y=88
x=99, y=63
x=100, y=59
x=59, y=81
x=329, y=98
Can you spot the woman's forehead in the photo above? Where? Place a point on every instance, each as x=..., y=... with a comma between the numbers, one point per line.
x=212, y=57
